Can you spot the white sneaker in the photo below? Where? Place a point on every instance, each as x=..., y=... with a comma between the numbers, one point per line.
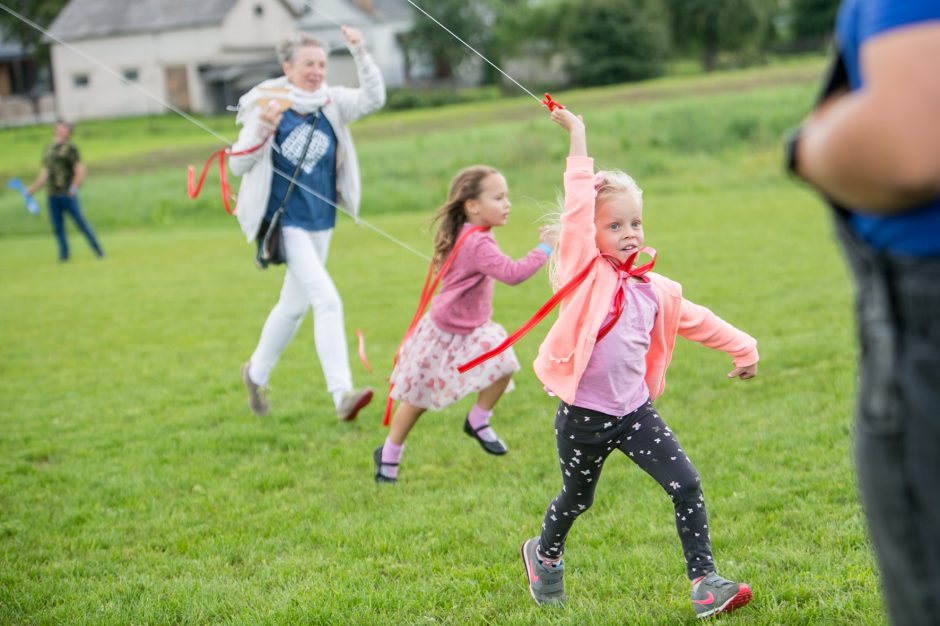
x=353, y=402
x=257, y=401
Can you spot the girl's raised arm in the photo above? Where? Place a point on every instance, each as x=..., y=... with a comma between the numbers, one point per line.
x=576, y=245
x=574, y=124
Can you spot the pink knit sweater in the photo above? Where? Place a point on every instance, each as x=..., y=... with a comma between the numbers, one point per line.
x=465, y=300
x=565, y=353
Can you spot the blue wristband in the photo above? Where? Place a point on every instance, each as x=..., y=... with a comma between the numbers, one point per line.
x=544, y=247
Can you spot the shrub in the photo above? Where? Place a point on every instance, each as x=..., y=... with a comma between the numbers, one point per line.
x=613, y=41
x=420, y=98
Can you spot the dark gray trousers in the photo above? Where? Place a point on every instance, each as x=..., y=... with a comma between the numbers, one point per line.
x=585, y=439
x=897, y=429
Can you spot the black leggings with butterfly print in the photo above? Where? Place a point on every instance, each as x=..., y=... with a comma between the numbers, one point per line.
x=585, y=438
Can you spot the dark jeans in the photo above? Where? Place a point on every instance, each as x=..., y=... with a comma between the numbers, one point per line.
x=585, y=439
x=897, y=429
x=58, y=207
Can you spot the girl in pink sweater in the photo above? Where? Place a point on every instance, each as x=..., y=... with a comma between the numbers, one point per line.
x=605, y=358
x=459, y=324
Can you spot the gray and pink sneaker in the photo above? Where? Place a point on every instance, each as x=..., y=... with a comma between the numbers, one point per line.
x=712, y=594
x=546, y=582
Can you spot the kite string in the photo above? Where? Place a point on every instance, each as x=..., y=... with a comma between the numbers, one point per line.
x=475, y=51
x=197, y=123
x=310, y=6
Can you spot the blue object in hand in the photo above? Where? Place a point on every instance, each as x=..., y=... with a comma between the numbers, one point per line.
x=31, y=205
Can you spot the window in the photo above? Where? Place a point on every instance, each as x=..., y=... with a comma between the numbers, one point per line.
x=131, y=74
x=259, y=10
x=80, y=80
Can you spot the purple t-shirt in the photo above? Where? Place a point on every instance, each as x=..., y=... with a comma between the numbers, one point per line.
x=614, y=381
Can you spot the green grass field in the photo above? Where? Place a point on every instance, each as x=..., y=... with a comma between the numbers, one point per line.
x=136, y=488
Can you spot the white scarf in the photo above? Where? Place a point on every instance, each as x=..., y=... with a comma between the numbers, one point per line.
x=305, y=102
x=302, y=101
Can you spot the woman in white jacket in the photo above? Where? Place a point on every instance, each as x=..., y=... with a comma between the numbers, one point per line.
x=282, y=113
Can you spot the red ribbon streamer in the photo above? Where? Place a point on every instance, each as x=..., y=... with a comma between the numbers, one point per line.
x=362, y=350
x=226, y=189
x=430, y=286
x=626, y=270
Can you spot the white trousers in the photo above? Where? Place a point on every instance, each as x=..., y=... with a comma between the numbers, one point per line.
x=306, y=284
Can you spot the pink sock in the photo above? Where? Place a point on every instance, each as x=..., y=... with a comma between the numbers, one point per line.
x=479, y=417
x=391, y=453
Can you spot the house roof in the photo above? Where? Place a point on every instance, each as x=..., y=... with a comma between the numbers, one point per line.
x=324, y=13
x=389, y=9
x=11, y=50
x=82, y=19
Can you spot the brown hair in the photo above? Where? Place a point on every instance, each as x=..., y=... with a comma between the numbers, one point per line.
x=466, y=185
x=68, y=125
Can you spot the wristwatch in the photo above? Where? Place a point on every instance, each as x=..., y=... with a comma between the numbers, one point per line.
x=790, y=148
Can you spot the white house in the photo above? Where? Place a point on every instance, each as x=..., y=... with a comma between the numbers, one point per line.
x=199, y=56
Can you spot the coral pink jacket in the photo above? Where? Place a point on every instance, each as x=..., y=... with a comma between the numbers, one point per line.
x=565, y=353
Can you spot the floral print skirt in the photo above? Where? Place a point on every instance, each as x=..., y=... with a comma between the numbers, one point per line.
x=426, y=375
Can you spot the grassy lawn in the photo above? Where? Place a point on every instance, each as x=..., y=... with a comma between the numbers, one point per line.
x=136, y=488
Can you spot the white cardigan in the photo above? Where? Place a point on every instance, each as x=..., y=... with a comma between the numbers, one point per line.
x=345, y=105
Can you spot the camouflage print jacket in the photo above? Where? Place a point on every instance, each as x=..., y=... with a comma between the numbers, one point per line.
x=60, y=160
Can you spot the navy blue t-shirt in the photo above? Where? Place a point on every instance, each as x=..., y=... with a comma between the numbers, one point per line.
x=318, y=172
x=916, y=232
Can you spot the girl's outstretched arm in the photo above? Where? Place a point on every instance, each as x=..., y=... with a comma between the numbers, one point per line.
x=698, y=323
x=489, y=259
x=574, y=124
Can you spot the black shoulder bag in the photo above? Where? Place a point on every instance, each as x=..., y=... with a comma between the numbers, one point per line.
x=270, y=237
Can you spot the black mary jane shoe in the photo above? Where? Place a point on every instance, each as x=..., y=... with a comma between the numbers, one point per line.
x=377, y=461
x=493, y=447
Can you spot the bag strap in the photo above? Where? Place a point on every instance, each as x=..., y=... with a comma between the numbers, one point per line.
x=290, y=188
x=300, y=162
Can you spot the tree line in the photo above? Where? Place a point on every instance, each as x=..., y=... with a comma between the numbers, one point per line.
x=613, y=41
x=598, y=41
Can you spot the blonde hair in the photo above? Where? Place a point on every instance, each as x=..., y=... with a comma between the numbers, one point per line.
x=286, y=48
x=607, y=183
x=450, y=216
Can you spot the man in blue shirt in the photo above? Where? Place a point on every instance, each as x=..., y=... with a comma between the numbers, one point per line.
x=872, y=148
